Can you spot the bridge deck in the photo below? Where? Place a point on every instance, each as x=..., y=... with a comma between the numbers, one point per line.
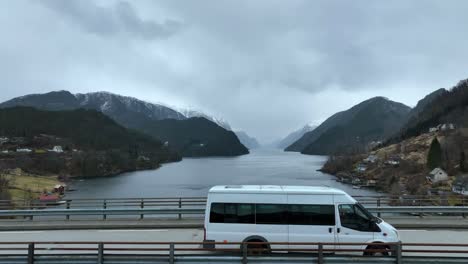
x=435, y=222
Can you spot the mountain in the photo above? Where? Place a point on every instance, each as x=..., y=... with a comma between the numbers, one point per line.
x=136, y=114
x=196, y=137
x=444, y=107
x=123, y=109
x=102, y=146
x=193, y=113
x=351, y=130
x=293, y=137
x=426, y=101
x=246, y=140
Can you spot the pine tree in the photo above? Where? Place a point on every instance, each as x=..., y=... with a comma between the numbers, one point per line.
x=434, y=157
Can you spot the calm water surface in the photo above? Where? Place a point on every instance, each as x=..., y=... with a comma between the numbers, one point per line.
x=194, y=176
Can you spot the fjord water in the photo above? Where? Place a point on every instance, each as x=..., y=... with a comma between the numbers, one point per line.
x=194, y=176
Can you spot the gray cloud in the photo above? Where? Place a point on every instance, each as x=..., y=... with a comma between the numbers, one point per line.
x=120, y=17
x=266, y=66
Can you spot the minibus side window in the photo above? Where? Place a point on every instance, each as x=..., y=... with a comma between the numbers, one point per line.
x=314, y=214
x=352, y=216
x=232, y=213
x=246, y=213
x=217, y=213
x=271, y=214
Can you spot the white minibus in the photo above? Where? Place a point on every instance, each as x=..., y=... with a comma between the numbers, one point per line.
x=294, y=214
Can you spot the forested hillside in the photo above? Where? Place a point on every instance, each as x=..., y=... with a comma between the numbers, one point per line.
x=93, y=144
x=447, y=107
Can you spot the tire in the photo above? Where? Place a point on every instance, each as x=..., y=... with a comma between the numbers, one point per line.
x=258, y=249
x=376, y=247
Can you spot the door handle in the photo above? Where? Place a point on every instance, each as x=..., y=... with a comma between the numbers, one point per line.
x=330, y=230
x=338, y=230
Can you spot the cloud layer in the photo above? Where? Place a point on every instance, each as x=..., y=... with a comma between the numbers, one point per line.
x=267, y=67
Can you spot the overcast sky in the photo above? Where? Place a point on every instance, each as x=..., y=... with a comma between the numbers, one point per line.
x=267, y=67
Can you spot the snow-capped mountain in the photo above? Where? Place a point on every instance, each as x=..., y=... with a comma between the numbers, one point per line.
x=188, y=113
x=186, y=134
x=111, y=104
x=294, y=136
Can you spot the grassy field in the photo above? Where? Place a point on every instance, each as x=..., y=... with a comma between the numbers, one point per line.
x=26, y=186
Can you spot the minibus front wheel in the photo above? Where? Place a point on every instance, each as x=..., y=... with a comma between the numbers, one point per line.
x=374, y=250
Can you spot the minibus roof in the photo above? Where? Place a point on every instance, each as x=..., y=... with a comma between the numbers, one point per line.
x=275, y=189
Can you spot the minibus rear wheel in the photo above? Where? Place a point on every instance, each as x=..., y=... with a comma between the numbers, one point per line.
x=258, y=249
x=376, y=247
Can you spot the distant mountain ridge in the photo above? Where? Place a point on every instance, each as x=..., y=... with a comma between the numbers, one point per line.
x=246, y=140
x=373, y=119
x=293, y=136
x=139, y=115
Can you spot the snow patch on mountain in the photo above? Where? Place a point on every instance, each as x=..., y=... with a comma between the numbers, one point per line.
x=188, y=113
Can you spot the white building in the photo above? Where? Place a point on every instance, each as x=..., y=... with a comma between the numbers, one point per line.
x=57, y=149
x=437, y=175
x=371, y=159
x=460, y=185
x=23, y=150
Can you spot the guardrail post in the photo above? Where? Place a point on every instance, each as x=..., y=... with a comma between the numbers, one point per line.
x=463, y=204
x=378, y=206
x=245, y=253
x=104, y=216
x=142, y=205
x=68, y=207
x=31, y=207
x=171, y=253
x=180, y=206
x=31, y=253
x=320, y=254
x=100, y=259
x=398, y=254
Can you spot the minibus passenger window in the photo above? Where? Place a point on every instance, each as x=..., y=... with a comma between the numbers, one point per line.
x=232, y=213
x=217, y=213
x=315, y=214
x=245, y=214
x=271, y=214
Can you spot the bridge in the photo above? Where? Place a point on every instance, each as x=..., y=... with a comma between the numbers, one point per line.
x=169, y=230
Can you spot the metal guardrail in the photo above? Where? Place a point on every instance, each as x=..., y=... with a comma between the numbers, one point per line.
x=141, y=212
x=180, y=202
x=253, y=252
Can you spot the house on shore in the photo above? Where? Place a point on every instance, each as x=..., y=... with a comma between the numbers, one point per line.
x=460, y=185
x=23, y=150
x=361, y=167
x=437, y=175
x=371, y=159
x=4, y=140
x=57, y=149
x=442, y=127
